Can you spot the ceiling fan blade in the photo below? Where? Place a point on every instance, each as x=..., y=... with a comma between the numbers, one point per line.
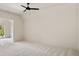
x=34, y=8
x=25, y=10
x=23, y=6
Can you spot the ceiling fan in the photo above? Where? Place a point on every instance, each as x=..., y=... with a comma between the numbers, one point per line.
x=28, y=8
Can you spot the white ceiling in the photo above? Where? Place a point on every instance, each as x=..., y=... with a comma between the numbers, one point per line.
x=16, y=8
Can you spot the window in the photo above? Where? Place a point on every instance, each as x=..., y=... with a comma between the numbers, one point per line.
x=1, y=31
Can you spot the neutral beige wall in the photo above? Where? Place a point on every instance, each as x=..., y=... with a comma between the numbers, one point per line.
x=78, y=24
x=55, y=26
x=18, y=23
